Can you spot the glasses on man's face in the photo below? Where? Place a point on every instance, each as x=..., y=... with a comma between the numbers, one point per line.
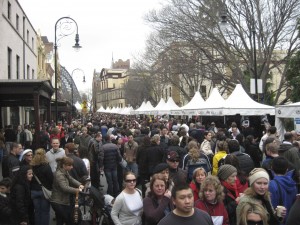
x=130, y=181
x=251, y=222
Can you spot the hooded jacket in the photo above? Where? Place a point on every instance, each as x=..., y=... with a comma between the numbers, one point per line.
x=288, y=191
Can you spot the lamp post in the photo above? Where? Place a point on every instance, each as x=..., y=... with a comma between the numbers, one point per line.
x=64, y=24
x=77, y=69
x=253, y=36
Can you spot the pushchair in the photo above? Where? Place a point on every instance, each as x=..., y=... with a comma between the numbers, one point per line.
x=92, y=209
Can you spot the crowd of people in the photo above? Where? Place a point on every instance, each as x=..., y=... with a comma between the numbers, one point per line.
x=158, y=171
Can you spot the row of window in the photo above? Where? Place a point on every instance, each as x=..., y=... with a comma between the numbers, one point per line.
x=28, y=75
x=110, y=96
x=17, y=25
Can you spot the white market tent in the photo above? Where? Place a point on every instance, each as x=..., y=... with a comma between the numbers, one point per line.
x=101, y=110
x=191, y=107
x=213, y=106
x=167, y=108
x=148, y=108
x=239, y=102
x=158, y=107
x=138, y=110
x=126, y=111
x=286, y=111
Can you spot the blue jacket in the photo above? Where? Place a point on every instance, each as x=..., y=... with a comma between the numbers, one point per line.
x=288, y=190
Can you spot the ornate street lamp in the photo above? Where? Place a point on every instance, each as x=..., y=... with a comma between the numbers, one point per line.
x=65, y=26
x=73, y=81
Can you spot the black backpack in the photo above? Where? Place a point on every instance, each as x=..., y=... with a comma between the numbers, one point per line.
x=245, y=161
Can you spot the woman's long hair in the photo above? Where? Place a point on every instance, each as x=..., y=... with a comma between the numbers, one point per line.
x=39, y=157
x=214, y=181
x=251, y=207
x=154, y=178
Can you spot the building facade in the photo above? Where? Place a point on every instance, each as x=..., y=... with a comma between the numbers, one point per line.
x=108, y=85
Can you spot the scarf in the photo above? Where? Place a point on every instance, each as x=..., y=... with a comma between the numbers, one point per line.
x=232, y=188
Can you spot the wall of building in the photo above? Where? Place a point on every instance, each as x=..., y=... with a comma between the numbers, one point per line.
x=20, y=37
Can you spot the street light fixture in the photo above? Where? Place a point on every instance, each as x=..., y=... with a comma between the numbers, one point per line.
x=77, y=69
x=64, y=25
x=253, y=31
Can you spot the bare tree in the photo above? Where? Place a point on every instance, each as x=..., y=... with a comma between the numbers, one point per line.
x=205, y=50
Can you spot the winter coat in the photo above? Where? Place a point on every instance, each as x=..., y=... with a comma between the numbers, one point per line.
x=217, y=211
x=5, y=210
x=288, y=191
x=154, y=211
x=155, y=156
x=44, y=174
x=20, y=201
x=63, y=186
x=111, y=156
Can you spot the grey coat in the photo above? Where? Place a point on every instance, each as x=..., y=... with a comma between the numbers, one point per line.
x=63, y=186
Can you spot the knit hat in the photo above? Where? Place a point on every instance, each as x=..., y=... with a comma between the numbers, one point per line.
x=225, y=171
x=172, y=155
x=257, y=173
x=160, y=167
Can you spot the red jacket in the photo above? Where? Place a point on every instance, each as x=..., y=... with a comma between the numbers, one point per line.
x=195, y=190
x=216, y=211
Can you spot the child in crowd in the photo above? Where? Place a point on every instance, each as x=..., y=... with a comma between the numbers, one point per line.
x=5, y=209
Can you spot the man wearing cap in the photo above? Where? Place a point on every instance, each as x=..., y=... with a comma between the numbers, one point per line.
x=177, y=175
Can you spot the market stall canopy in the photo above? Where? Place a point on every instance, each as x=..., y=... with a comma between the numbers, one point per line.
x=191, y=107
x=239, y=102
x=101, y=110
x=288, y=111
x=167, y=108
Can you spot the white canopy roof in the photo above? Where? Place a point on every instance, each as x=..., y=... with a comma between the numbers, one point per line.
x=78, y=106
x=169, y=106
x=148, y=108
x=213, y=106
x=101, y=109
x=288, y=111
x=191, y=107
x=239, y=102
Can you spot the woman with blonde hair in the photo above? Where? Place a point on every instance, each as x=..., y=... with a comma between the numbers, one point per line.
x=253, y=214
x=199, y=176
x=42, y=171
x=211, y=200
x=258, y=192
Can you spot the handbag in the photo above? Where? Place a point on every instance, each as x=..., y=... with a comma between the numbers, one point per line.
x=47, y=193
x=123, y=163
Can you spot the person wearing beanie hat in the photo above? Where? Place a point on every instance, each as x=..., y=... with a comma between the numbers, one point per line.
x=228, y=177
x=226, y=171
x=258, y=193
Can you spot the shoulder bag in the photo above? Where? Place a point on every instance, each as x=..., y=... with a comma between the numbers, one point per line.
x=47, y=193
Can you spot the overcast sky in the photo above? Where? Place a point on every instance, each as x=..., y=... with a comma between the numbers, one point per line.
x=106, y=27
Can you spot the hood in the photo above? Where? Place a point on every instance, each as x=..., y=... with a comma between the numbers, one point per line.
x=286, y=182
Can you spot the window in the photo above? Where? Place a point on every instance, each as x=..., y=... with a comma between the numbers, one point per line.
x=17, y=22
x=170, y=91
x=166, y=91
x=28, y=72
x=27, y=36
x=32, y=74
x=9, y=63
x=32, y=43
x=18, y=67
x=8, y=10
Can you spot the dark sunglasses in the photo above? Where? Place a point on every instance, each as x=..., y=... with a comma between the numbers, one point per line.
x=251, y=222
x=130, y=181
x=173, y=160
